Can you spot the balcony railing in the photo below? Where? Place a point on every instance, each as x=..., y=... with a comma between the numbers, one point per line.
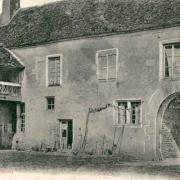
x=10, y=90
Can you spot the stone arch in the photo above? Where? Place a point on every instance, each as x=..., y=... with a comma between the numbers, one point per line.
x=166, y=146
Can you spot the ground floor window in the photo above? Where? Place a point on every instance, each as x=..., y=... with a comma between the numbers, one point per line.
x=22, y=117
x=128, y=112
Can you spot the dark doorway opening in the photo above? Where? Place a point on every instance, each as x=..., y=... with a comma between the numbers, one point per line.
x=66, y=133
x=8, y=123
x=172, y=119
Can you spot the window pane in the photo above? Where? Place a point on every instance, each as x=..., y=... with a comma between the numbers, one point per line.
x=176, y=60
x=168, y=50
x=112, y=73
x=102, y=60
x=177, y=72
x=111, y=60
x=103, y=74
x=177, y=49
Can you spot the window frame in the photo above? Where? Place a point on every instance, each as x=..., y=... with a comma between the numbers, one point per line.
x=47, y=69
x=128, y=115
x=52, y=105
x=162, y=44
x=97, y=64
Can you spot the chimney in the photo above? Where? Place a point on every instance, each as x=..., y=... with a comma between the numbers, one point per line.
x=9, y=8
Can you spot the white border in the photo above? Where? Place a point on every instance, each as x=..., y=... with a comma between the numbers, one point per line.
x=47, y=63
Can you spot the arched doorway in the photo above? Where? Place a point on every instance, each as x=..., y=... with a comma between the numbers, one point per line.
x=168, y=127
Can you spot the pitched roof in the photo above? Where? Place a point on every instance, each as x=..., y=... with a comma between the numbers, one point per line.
x=8, y=61
x=81, y=18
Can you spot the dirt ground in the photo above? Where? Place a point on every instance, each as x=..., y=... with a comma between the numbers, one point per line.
x=11, y=161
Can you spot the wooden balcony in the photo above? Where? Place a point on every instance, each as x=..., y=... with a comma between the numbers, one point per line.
x=10, y=91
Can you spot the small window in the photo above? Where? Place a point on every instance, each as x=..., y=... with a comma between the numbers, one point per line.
x=128, y=112
x=22, y=117
x=172, y=60
x=107, y=61
x=54, y=70
x=50, y=103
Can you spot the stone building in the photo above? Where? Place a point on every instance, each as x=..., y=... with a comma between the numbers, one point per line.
x=97, y=75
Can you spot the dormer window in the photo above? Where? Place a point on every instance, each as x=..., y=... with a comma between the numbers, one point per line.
x=171, y=60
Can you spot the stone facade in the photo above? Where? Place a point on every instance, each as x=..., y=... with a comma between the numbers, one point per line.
x=80, y=113
x=138, y=78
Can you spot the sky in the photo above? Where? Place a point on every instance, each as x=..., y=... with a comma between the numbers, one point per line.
x=28, y=3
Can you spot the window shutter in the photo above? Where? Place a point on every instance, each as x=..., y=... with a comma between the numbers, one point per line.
x=107, y=64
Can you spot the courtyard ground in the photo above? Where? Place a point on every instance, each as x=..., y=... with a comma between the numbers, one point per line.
x=23, y=162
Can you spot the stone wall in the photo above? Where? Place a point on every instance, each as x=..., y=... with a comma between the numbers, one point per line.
x=138, y=78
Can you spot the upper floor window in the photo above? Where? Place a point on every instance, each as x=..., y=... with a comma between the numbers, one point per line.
x=54, y=70
x=172, y=60
x=128, y=112
x=107, y=61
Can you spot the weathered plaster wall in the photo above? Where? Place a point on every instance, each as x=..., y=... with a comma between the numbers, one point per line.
x=138, y=78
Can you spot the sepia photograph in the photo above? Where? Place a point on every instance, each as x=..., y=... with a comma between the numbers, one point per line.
x=90, y=89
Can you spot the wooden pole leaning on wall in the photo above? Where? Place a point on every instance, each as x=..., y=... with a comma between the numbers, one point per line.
x=90, y=111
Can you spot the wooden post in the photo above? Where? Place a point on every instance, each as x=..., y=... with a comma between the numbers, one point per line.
x=18, y=116
x=86, y=132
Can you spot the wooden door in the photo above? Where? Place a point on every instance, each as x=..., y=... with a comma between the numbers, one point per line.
x=66, y=134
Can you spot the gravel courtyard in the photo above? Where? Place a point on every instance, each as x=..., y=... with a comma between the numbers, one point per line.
x=11, y=161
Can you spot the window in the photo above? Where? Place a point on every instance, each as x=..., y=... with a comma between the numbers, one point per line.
x=128, y=112
x=22, y=118
x=54, y=70
x=107, y=61
x=172, y=60
x=50, y=103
